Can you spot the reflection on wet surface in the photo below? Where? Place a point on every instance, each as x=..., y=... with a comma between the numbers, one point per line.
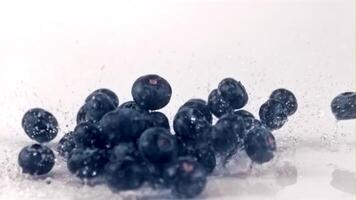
x=344, y=181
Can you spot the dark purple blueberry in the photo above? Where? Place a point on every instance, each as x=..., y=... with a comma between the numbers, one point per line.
x=66, y=145
x=36, y=159
x=113, y=97
x=189, y=178
x=88, y=135
x=95, y=108
x=158, y=146
x=273, y=114
x=190, y=123
x=260, y=145
x=201, y=105
x=127, y=174
x=87, y=163
x=40, y=125
x=287, y=98
x=122, y=125
x=157, y=119
x=123, y=150
x=343, y=106
x=233, y=92
x=151, y=92
x=217, y=104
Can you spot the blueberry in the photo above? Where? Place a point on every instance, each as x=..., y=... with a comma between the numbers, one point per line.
x=260, y=145
x=66, y=145
x=343, y=106
x=112, y=96
x=87, y=163
x=233, y=92
x=157, y=119
x=201, y=150
x=287, y=98
x=132, y=105
x=40, y=125
x=236, y=124
x=151, y=92
x=122, y=125
x=125, y=175
x=123, y=150
x=88, y=135
x=158, y=146
x=190, y=178
x=250, y=121
x=273, y=114
x=95, y=109
x=206, y=158
x=190, y=123
x=36, y=159
x=200, y=105
x=224, y=138
x=217, y=105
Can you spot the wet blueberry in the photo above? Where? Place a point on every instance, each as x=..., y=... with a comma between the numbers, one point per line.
x=132, y=105
x=287, y=98
x=88, y=135
x=201, y=105
x=127, y=174
x=36, y=159
x=87, y=163
x=343, y=106
x=224, y=138
x=273, y=114
x=250, y=121
x=190, y=123
x=157, y=119
x=122, y=125
x=123, y=150
x=217, y=104
x=260, y=145
x=158, y=146
x=66, y=145
x=112, y=96
x=95, y=108
x=40, y=125
x=233, y=92
x=151, y=92
x=190, y=178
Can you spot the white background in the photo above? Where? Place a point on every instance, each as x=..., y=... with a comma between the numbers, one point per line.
x=53, y=54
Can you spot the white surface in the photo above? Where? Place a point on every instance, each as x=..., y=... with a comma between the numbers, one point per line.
x=53, y=55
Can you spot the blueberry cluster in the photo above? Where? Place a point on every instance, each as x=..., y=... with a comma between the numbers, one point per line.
x=131, y=144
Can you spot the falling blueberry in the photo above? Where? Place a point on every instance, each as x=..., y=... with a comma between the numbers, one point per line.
x=87, y=163
x=127, y=174
x=190, y=178
x=112, y=96
x=201, y=105
x=260, y=145
x=273, y=114
x=217, y=104
x=287, y=98
x=343, y=106
x=36, y=159
x=158, y=146
x=40, y=125
x=95, y=108
x=151, y=92
x=66, y=145
x=233, y=92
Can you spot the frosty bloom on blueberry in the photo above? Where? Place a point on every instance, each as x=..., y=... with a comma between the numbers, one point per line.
x=40, y=125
